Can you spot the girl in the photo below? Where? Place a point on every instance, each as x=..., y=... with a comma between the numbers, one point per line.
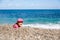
x=18, y=24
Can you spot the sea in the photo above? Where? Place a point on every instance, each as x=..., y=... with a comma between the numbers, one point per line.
x=39, y=18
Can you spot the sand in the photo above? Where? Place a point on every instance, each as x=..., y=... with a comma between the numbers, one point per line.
x=27, y=33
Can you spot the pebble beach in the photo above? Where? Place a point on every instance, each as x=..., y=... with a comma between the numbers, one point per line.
x=7, y=32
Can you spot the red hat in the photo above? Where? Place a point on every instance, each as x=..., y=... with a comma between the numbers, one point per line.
x=20, y=20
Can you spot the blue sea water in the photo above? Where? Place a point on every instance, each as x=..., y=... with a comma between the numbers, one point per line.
x=42, y=16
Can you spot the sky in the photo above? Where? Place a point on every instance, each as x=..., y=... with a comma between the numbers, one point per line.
x=29, y=4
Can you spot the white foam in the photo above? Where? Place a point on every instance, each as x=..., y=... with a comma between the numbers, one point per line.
x=44, y=26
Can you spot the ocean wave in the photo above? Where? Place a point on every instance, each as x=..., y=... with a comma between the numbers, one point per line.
x=44, y=26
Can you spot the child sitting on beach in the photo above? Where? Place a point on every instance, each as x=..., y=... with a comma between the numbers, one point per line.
x=18, y=24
